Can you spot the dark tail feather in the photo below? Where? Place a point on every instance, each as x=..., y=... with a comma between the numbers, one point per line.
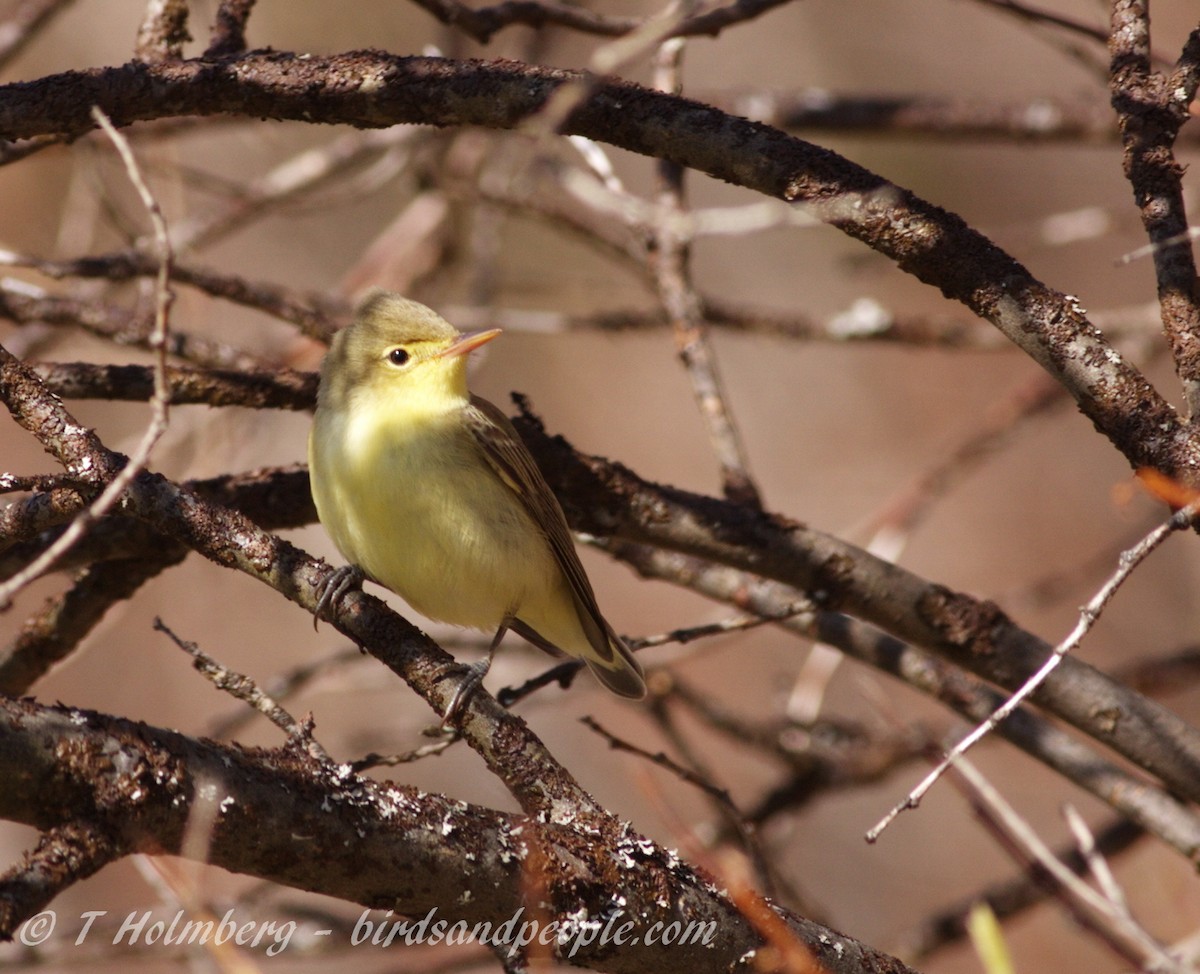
x=625, y=676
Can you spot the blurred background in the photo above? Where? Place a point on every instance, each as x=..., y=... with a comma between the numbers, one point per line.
x=834, y=431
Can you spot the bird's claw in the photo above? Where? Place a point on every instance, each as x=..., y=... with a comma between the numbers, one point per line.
x=471, y=681
x=333, y=588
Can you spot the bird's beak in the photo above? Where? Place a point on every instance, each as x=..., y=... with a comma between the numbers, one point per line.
x=468, y=342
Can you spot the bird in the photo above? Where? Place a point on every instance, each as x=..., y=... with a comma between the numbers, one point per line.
x=428, y=490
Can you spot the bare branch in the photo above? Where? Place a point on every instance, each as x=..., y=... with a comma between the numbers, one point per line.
x=1150, y=112
x=1159, y=812
x=608, y=500
x=473, y=862
x=23, y=26
x=1042, y=119
x=56, y=631
x=229, y=31
x=255, y=389
x=163, y=31
x=1129, y=561
x=1010, y=898
x=671, y=262
x=66, y=853
x=1132, y=939
x=483, y=23
x=241, y=687
x=374, y=89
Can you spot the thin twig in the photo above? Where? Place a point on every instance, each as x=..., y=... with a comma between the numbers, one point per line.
x=285, y=685
x=1152, y=807
x=158, y=403
x=664, y=761
x=1114, y=924
x=1128, y=562
x=241, y=687
x=673, y=276
x=1008, y=898
x=564, y=673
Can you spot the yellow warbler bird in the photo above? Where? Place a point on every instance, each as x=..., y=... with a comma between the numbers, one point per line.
x=429, y=491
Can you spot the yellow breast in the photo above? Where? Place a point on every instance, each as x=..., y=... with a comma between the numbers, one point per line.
x=411, y=501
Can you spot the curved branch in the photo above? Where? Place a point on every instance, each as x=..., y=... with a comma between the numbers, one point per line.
x=372, y=89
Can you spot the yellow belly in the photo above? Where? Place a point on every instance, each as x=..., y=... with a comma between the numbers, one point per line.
x=424, y=515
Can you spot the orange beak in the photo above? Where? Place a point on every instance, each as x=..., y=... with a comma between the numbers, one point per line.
x=469, y=342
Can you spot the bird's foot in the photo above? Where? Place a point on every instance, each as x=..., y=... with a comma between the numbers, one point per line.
x=471, y=681
x=334, y=587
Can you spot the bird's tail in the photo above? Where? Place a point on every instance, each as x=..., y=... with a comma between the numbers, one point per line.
x=623, y=675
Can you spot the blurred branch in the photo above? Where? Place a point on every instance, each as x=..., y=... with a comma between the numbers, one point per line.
x=671, y=260
x=229, y=30
x=23, y=26
x=1151, y=109
x=1038, y=120
x=129, y=467
x=292, y=180
x=483, y=22
x=1089, y=614
x=1095, y=910
x=1010, y=898
x=163, y=31
x=254, y=389
x=314, y=314
x=900, y=514
x=56, y=631
x=25, y=304
x=67, y=852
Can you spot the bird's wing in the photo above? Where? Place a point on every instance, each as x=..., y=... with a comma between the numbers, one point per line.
x=513, y=463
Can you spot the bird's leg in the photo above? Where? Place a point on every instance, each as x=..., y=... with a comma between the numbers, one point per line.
x=333, y=588
x=474, y=677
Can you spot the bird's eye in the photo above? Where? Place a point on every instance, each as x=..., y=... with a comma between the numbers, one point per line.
x=398, y=356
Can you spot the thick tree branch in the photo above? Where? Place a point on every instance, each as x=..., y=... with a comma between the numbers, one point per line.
x=371, y=89
x=399, y=848
x=608, y=500
x=1161, y=813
